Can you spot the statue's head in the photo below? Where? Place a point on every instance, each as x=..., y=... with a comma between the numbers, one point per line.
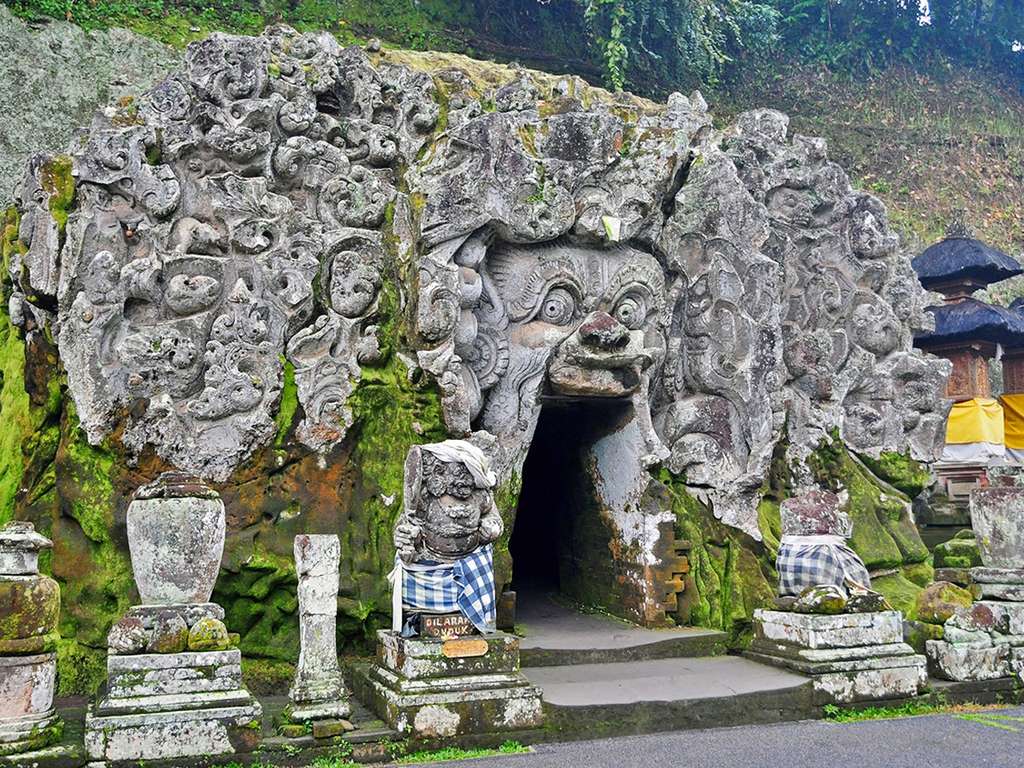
x=446, y=487
x=599, y=312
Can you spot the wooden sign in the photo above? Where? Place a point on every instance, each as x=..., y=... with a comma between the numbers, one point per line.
x=464, y=647
x=447, y=625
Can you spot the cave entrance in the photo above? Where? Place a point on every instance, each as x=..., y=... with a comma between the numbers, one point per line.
x=563, y=539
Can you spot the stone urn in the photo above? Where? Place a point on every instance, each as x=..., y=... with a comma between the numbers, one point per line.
x=176, y=539
x=997, y=517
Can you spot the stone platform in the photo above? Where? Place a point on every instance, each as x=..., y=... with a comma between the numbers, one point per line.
x=850, y=657
x=170, y=705
x=554, y=634
x=429, y=688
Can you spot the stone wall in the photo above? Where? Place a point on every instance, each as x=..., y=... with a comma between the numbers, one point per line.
x=289, y=262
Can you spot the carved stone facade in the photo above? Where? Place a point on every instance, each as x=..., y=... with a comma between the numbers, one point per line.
x=269, y=209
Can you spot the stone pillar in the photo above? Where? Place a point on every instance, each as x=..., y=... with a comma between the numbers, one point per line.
x=29, y=607
x=174, y=683
x=318, y=692
x=986, y=640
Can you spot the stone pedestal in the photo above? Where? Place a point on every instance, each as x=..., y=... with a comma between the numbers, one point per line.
x=29, y=608
x=850, y=657
x=170, y=705
x=174, y=685
x=985, y=642
x=436, y=687
x=318, y=692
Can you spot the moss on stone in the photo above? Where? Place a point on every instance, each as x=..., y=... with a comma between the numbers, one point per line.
x=208, y=634
x=957, y=553
x=58, y=182
x=732, y=575
x=28, y=607
x=80, y=669
x=899, y=591
x=940, y=601
x=288, y=404
x=900, y=471
x=884, y=534
x=266, y=677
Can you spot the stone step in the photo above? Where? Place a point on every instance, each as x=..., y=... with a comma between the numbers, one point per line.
x=595, y=700
x=554, y=635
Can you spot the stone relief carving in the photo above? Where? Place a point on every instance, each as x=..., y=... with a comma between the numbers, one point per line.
x=252, y=209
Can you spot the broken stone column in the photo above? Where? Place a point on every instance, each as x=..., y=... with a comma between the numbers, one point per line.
x=443, y=670
x=828, y=624
x=318, y=692
x=174, y=683
x=29, y=608
x=985, y=641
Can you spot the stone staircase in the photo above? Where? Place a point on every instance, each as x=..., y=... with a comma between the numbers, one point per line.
x=604, y=677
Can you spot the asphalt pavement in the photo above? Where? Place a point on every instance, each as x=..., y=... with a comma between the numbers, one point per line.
x=988, y=739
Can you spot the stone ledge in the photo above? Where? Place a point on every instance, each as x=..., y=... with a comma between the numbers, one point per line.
x=845, y=630
x=167, y=735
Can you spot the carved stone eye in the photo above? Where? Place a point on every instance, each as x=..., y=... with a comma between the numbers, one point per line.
x=631, y=311
x=559, y=307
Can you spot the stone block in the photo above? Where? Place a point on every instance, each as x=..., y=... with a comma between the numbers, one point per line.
x=840, y=631
x=965, y=663
x=173, y=734
x=424, y=658
x=329, y=729
x=434, y=688
x=879, y=684
x=29, y=606
x=996, y=513
x=27, y=719
x=158, y=674
x=191, y=613
x=985, y=575
x=1013, y=593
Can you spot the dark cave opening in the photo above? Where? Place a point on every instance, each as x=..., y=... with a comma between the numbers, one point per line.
x=560, y=539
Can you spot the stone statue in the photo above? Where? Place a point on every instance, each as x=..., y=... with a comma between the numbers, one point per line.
x=815, y=565
x=444, y=557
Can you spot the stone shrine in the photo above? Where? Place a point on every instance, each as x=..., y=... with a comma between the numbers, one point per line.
x=828, y=624
x=460, y=675
x=174, y=683
x=318, y=692
x=986, y=640
x=29, y=608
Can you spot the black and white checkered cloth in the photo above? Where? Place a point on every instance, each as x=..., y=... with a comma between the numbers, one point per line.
x=465, y=586
x=814, y=561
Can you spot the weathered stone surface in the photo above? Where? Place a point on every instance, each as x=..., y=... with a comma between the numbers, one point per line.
x=940, y=601
x=29, y=606
x=176, y=734
x=136, y=676
x=996, y=514
x=127, y=636
x=55, y=76
x=964, y=662
x=421, y=689
x=987, y=575
x=169, y=634
x=19, y=549
x=318, y=691
x=27, y=718
x=824, y=599
x=493, y=196
x=840, y=631
x=176, y=541
x=1008, y=592
x=959, y=552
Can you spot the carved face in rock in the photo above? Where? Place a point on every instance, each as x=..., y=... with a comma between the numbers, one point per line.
x=599, y=313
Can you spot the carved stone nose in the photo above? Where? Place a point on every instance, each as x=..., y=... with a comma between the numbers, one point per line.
x=602, y=331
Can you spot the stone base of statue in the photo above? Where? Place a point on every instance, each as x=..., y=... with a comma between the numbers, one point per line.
x=434, y=687
x=170, y=705
x=26, y=689
x=850, y=657
x=986, y=641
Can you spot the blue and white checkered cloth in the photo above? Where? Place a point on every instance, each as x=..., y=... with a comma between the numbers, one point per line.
x=466, y=586
x=814, y=561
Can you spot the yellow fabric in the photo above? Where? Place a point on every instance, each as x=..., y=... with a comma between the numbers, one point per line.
x=975, y=421
x=1013, y=420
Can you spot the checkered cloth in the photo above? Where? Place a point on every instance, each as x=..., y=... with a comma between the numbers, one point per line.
x=814, y=561
x=467, y=586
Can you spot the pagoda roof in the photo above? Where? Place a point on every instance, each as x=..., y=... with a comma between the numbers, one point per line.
x=972, y=320
x=963, y=258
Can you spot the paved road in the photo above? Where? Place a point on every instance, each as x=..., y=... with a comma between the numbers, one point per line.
x=933, y=741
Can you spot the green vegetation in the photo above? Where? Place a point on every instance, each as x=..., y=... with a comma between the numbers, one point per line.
x=934, y=706
x=1002, y=722
x=456, y=753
